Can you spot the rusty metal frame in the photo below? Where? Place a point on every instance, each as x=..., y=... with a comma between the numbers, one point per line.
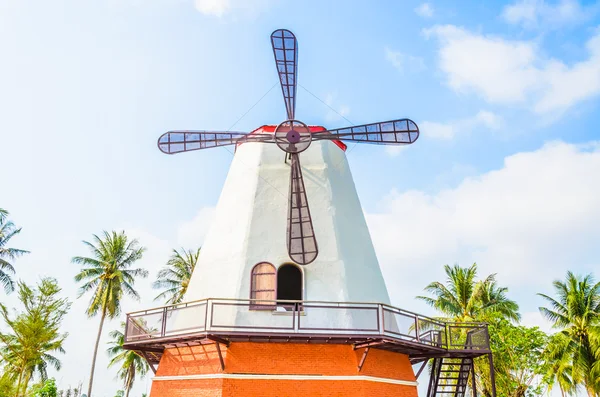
x=220, y=356
x=473, y=380
x=283, y=41
x=180, y=141
x=302, y=223
x=213, y=325
x=399, y=131
x=421, y=346
x=423, y=365
x=150, y=363
x=363, y=358
x=309, y=305
x=295, y=327
x=466, y=369
x=492, y=374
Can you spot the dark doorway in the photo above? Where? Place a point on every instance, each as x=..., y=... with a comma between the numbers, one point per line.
x=289, y=283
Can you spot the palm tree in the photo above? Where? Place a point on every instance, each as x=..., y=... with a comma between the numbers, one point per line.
x=463, y=298
x=34, y=334
x=559, y=366
x=175, y=276
x=109, y=276
x=7, y=231
x=130, y=362
x=576, y=313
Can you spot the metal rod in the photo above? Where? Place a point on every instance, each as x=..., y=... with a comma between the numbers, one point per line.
x=437, y=373
x=417, y=329
x=473, y=382
x=148, y=361
x=421, y=369
x=363, y=358
x=220, y=356
x=164, y=322
x=431, y=376
x=492, y=374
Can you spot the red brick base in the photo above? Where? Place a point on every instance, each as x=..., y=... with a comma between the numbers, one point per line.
x=196, y=372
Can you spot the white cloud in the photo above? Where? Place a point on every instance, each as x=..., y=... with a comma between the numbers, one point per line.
x=425, y=10
x=535, y=319
x=340, y=111
x=539, y=13
x=514, y=72
x=403, y=61
x=394, y=151
x=528, y=221
x=221, y=8
x=191, y=233
x=449, y=130
x=213, y=7
x=438, y=130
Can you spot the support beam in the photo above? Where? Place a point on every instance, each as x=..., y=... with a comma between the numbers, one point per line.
x=421, y=369
x=367, y=344
x=437, y=369
x=218, y=340
x=363, y=358
x=492, y=374
x=151, y=349
x=433, y=378
x=473, y=383
x=149, y=362
x=220, y=356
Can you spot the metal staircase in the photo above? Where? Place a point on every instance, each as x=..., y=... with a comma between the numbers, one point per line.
x=449, y=376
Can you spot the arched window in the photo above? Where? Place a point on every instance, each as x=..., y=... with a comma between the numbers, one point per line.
x=289, y=283
x=263, y=286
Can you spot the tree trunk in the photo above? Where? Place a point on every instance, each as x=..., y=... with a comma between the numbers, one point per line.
x=26, y=383
x=96, y=352
x=17, y=394
x=590, y=391
x=130, y=377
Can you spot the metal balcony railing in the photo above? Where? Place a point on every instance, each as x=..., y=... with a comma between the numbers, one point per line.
x=296, y=319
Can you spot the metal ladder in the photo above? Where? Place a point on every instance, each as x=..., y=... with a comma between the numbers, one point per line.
x=450, y=376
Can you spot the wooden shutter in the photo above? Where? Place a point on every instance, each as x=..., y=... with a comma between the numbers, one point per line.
x=263, y=286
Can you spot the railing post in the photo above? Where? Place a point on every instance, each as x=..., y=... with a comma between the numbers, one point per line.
x=164, y=322
x=380, y=319
x=492, y=374
x=417, y=329
x=206, y=316
x=126, y=328
x=447, y=335
x=209, y=308
x=296, y=319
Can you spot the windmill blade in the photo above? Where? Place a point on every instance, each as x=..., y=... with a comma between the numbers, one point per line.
x=285, y=49
x=393, y=132
x=185, y=141
x=301, y=241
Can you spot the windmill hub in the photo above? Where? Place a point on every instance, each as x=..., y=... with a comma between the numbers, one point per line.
x=293, y=136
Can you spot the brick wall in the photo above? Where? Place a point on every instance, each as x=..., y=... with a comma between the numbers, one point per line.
x=281, y=359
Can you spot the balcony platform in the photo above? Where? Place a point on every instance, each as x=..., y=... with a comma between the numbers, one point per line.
x=362, y=325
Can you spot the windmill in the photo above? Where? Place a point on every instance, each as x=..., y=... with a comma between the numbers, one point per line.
x=293, y=137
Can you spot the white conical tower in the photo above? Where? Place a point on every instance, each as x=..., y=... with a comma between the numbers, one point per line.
x=250, y=227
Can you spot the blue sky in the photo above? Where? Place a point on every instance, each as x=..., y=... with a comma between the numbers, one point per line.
x=505, y=172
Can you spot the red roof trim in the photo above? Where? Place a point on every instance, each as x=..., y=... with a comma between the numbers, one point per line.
x=315, y=129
